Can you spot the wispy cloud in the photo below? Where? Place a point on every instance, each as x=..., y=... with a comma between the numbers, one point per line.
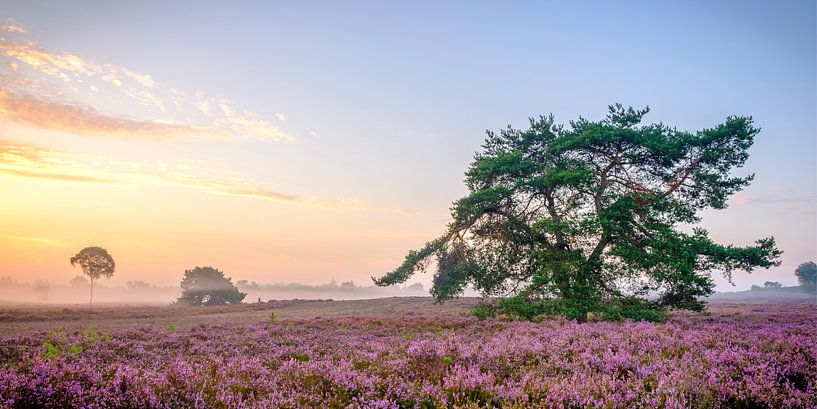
x=85, y=120
x=45, y=89
x=53, y=176
x=12, y=26
x=743, y=199
x=66, y=92
x=39, y=240
x=396, y=210
x=33, y=162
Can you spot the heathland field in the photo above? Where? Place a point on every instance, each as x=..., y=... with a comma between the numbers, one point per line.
x=402, y=352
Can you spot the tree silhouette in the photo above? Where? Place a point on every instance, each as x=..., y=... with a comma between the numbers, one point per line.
x=95, y=263
x=208, y=286
x=586, y=218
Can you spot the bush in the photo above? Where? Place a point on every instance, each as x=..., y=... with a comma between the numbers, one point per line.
x=204, y=286
x=483, y=311
x=625, y=308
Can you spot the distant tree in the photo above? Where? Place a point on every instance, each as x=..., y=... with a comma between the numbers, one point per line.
x=139, y=285
x=95, y=263
x=807, y=275
x=347, y=285
x=772, y=284
x=756, y=287
x=208, y=286
x=415, y=287
x=586, y=218
x=42, y=288
x=78, y=281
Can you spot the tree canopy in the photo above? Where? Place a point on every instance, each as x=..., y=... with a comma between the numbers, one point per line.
x=807, y=275
x=95, y=263
x=587, y=217
x=208, y=286
x=772, y=284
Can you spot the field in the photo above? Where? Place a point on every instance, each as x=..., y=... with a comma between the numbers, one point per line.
x=402, y=352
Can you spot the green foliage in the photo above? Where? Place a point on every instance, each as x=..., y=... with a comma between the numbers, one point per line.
x=56, y=344
x=205, y=286
x=519, y=307
x=634, y=309
x=90, y=335
x=447, y=360
x=301, y=357
x=585, y=219
x=51, y=350
x=271, y=318
x=807, y=275
x=483, y=312
x=75, y=349
x=171, y=327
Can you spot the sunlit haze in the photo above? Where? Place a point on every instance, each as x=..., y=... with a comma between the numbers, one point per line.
x=297, y=142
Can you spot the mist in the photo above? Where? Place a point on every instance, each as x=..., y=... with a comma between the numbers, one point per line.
x=77, y=291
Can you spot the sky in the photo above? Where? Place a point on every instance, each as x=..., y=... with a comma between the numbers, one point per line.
x=306, y=141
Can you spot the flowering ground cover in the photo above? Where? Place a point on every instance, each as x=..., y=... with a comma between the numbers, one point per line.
x=749, y=356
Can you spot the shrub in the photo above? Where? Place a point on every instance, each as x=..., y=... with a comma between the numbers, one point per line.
x=483, y=311
x=625, y=308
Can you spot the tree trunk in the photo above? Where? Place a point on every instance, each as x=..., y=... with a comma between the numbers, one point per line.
x=91, y=301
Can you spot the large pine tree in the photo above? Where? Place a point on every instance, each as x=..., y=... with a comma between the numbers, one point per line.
x=586, y=218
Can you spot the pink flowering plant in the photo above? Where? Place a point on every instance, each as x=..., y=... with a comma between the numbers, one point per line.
x=764, y=357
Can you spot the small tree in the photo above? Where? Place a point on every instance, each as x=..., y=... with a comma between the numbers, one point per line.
x=208, y=286
x=586, y=218
x=807, y=275
x=78, y=282
x=772, y=284
x=95, y=263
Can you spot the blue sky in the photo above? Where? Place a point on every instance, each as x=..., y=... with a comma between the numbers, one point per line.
x=387, y=103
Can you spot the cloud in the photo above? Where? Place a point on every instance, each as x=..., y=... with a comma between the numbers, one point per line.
x=281, y=117
x=83, y=120
x=12, y=26
x=250, y=123
x=743, y=199
x=57, y=65
x=396, y=210
x=49, y=242
x=33, y=162
x=265, y=194
x=144, y=79
x=44, y=89
x=54, y=176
